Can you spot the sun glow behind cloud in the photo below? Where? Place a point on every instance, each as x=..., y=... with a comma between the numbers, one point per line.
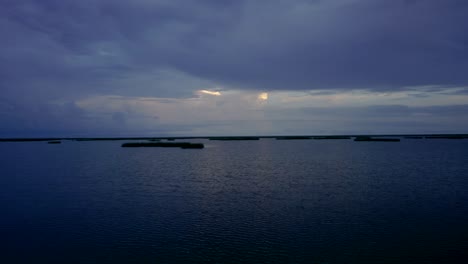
x=215, y=93
x=263, y=96
x=257, y=112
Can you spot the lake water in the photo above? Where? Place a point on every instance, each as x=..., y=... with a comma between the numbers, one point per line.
x=267, y=201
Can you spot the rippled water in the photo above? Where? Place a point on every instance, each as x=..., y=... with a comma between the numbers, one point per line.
x=267, y=201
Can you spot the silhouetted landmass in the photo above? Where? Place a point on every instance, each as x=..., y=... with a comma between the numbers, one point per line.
x=292, y=138
x=54, y=142
x=332, y=137
x=184, y=145
x=233, y=138
x=447, y=137
x=27, y=139
x=122, y=138
x=365, y=138
x=154, y=140
x=108, y=139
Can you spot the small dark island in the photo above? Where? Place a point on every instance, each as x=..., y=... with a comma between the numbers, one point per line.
x=366, y=138
x=293, y=138
x=233, y=138
x=332, y=137
x=447, y=137
x=54, y=142
x=183, y=145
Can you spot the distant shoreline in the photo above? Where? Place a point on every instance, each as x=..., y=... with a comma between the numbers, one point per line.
x=408, y=136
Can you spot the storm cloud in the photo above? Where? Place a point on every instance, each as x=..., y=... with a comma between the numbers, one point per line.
x=256, y=44
x=57, y=52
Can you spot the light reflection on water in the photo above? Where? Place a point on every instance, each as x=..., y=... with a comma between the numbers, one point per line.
x=304, y=201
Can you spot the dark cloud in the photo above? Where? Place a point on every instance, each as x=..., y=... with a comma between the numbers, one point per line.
x=62, y=50
x=341, y=44
x=373, y=44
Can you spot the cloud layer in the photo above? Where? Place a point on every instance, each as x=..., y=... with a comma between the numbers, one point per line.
x=373, y=44
x=58, y=52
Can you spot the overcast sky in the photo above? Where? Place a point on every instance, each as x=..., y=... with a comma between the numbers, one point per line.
x=214, y=67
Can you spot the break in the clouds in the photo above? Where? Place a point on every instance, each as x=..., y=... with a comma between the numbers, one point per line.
x=57, y=54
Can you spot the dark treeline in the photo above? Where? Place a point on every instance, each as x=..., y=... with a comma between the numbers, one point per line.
x=184, y=145
x=233, y=138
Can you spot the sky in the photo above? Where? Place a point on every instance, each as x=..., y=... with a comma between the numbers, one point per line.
x=213, y=67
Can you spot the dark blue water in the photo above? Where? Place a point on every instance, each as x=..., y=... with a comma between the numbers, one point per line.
x=304, y=201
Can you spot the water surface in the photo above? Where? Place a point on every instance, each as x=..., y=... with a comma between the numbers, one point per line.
x=267, y=201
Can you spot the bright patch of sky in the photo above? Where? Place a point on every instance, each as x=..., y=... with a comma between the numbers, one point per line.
x=271, y=112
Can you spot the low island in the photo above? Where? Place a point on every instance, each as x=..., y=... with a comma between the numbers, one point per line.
x=367, y=138
x=183, y=145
